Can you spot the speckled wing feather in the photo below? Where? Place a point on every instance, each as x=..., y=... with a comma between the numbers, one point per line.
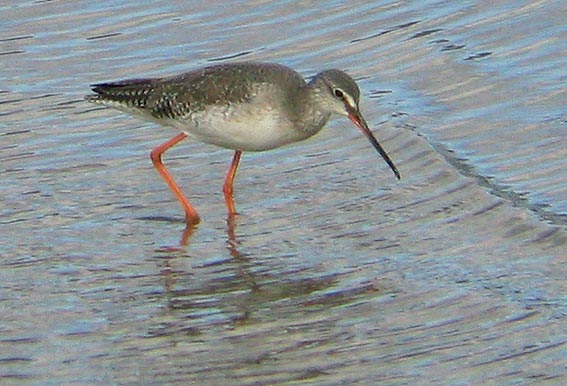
x=178, y=96
x=154, y=97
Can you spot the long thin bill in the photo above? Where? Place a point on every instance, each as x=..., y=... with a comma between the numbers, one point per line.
x=357, y=119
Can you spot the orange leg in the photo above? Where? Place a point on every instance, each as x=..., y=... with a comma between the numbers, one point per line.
x=191, y=216
x=228, y=182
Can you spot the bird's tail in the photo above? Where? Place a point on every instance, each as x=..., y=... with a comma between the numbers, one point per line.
x=129, y=94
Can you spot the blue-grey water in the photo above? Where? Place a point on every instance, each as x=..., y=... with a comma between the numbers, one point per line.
x=334, y=273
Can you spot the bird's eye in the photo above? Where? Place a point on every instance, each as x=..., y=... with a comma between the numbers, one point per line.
x=338, y=93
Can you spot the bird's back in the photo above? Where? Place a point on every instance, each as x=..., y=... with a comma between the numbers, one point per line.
x=192, y=92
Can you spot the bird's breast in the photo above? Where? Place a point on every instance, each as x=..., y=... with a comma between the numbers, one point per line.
x=247, y=126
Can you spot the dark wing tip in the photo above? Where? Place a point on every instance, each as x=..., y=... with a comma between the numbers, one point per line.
x=131, y=92
x=130, y=83
x=100, y=89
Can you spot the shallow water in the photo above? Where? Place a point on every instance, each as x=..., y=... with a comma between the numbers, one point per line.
x=334, y=272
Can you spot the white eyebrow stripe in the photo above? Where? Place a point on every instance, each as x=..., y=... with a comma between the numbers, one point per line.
x=349, y=100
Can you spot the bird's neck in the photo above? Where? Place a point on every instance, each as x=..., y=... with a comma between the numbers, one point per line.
x=311, y=117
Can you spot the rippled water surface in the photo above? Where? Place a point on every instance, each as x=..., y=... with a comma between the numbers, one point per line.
x=334, y=273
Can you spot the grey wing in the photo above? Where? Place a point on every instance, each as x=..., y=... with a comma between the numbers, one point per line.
x=155, y=97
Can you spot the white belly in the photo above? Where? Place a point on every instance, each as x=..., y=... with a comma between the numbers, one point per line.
x=246, y=128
